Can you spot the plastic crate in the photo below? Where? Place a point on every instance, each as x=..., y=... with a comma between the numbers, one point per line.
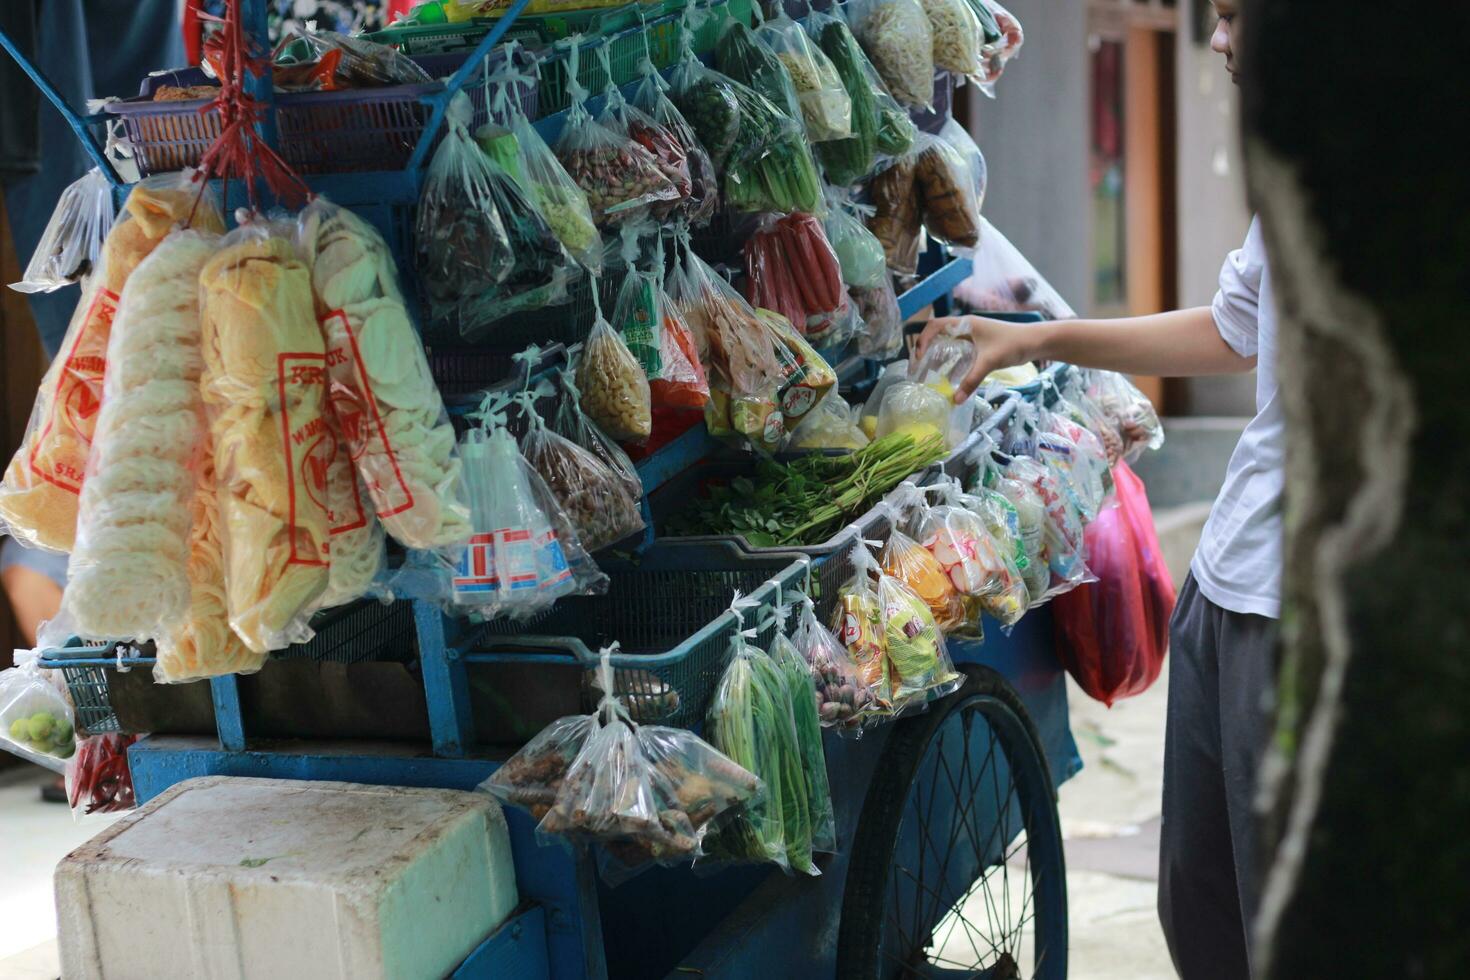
x=319, y=132
x=358, y=632
x=673, y=626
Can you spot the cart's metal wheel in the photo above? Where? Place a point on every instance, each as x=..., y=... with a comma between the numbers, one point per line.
x=957, y=867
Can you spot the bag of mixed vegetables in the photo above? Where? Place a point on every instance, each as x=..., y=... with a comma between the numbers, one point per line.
x=701, y=202
x=802, y=688
x=620, y=177
x=591, y=494
x=826, y=108
x=900, y=43
x=750, y=720
x=515, y=144
x=646, y=794
x=842, y=699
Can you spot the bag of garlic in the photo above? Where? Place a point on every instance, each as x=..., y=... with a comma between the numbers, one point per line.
x=40, y=489
x=129, y=577
x=380, y=386
x=264, y=387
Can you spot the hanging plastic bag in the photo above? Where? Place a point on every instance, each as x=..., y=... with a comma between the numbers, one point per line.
x=392, y=415
x=802, y=691
x=805, y=375
x=825, y=105
x=964, y=144
x=1003, y=281
x=1112, y=634
x=614, y=388
x=645, y=794
x=461, y=246
x=631, y=123
x=36, y=722
x=946, y=189
x=570, y=421
x=750, y=720
x=362, y=63
x=897, y=219
x=524, y=553
x=1132, y=415
x=842, y=698
x=914, y=648
x=40, y=488
x=129, y=572
x=899, y=41
x=877, y=306
x=1002, y=42
x=830, y=425
x=1062, y=527
x=915, y=566
x=916, y=409
x=264, y=387
x=701, y=202
x=1079, y=457
x=847, y=160
x=593, y=497
x=649, y=323
x=98, y=779
x=980, y=565
x=859, y=253
x=747, y=57
x=859, y=625
x=70, y=248
x=620, y=177
x=1030, y=509
x=791, y=269
x=957, y=36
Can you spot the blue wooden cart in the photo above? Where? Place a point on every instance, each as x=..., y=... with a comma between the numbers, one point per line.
x=950, y=854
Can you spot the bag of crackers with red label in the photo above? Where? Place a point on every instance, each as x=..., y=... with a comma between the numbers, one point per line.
x=265, y=392
x=40, y=490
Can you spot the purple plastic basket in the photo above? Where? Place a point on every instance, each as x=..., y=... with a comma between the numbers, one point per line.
x=320, y=132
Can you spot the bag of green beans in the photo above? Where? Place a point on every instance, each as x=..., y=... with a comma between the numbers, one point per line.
x=880, y=129
x=748, y=58
x=802, y=687
x=750, y=720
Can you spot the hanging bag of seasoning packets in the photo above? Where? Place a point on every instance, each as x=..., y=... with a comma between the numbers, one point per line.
x=593, y=496
x=914, y=649
x=524, y=553
x=858, y=624
x=512, y=141
x=620, y=177
x=916, y=567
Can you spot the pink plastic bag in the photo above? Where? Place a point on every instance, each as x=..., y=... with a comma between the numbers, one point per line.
x=1112, y=634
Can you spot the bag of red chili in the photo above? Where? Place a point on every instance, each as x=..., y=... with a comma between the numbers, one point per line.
x=98, y=779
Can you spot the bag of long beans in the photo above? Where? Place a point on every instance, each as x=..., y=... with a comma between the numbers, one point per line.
x=802, y=688
x=750, y=720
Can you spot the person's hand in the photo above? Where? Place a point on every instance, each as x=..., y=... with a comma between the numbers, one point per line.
x=998, y=344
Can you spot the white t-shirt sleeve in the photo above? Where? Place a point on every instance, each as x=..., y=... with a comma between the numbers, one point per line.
x=1237, y=303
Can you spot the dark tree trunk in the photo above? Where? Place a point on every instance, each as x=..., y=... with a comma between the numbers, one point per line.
x=1356, y=117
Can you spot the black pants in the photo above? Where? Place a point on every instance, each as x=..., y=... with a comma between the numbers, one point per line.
x=1220, y=679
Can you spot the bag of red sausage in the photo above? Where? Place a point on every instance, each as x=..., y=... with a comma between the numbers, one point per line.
x=792, y=269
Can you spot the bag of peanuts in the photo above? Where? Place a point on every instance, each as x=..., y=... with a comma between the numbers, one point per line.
x=614, y=388
x=619, y=175
x=633, y=124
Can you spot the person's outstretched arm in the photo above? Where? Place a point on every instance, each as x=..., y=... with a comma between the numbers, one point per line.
x=1178, y=344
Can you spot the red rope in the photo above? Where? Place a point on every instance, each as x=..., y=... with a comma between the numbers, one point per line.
x=238, y=152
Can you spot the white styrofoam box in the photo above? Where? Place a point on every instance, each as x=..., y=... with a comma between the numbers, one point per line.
x=224, y=877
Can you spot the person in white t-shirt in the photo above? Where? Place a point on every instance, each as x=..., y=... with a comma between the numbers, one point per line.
x=1223, y=633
